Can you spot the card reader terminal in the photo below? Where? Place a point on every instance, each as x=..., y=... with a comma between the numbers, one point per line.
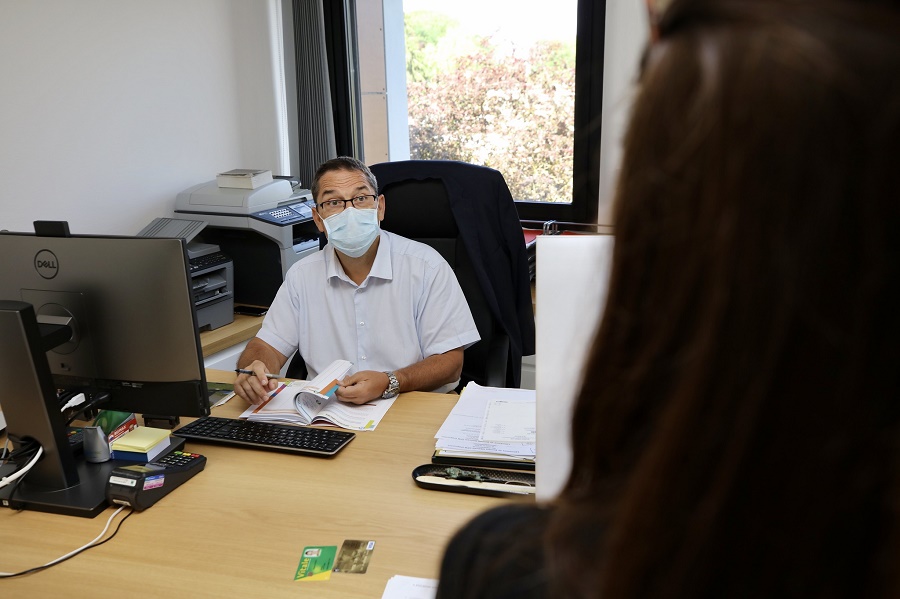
x=141, y=485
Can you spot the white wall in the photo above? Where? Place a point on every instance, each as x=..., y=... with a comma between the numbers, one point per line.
x=109, y=108
x=626, y=35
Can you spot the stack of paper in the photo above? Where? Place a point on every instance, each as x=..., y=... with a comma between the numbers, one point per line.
x=489, y=426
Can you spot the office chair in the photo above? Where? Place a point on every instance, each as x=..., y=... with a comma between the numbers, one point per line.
x=467, y=214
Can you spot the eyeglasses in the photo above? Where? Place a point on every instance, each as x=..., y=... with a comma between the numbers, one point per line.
x=332, y=207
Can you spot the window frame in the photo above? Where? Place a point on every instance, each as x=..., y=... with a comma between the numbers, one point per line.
x=589, y=54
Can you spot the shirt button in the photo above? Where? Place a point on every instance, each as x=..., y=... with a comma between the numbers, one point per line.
x=362, y=324
x=362, y=357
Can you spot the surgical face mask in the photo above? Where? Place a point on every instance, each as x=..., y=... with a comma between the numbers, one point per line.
x=352, y=231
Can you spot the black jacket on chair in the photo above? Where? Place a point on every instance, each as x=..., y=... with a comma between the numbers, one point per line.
x=491, y=233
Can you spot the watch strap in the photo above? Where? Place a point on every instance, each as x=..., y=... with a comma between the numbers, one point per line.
x=393, y=387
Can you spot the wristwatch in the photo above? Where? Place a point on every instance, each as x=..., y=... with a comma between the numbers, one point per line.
x=393, y=387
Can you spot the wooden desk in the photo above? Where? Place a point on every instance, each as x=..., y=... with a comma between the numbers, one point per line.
x=243, y=328
x=238, y=528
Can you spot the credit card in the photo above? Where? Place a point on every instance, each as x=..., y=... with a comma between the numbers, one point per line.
x=354, y=557
x=316, y=563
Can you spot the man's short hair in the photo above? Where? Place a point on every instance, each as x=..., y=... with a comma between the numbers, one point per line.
x=342, y=163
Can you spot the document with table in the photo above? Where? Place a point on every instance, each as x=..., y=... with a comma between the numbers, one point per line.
x=489, y=426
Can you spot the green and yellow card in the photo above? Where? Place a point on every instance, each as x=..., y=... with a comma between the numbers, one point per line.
x=316, y=563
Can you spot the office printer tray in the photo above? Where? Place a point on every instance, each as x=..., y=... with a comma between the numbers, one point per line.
x=523, y=480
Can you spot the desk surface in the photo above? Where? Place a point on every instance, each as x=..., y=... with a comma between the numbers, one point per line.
x=239, y=527
x=243, y=328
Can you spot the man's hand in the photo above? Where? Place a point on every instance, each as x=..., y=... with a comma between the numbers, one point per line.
x=362, y=387
x=255, y=387
x=425, y=375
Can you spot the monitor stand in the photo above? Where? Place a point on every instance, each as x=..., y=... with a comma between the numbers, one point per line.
x=60, y=482
x=87, y=498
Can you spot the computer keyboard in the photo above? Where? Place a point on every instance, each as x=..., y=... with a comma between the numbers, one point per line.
x=208, y=261
x=266, y=435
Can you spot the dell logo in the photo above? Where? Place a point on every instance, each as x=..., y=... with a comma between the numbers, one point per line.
x=45, y=264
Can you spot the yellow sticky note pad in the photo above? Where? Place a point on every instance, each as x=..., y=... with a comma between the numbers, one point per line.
x=140, y=439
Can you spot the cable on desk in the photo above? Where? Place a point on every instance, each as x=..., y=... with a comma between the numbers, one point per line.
x=81, y=549
x=18, y=474
x=29, y=451
x=71, y=412
x=4, y=455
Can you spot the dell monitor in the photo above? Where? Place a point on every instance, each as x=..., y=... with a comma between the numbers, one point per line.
x=104, y=313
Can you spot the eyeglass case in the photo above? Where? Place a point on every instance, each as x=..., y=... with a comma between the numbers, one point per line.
x=473, y=480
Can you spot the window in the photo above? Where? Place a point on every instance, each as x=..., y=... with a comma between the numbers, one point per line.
x=498, y=90
x=501, y=89
x=512, y=84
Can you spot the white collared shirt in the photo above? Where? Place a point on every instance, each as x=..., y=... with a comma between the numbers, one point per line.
x=409, y=307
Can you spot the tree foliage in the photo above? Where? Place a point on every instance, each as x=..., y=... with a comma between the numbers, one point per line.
x=424, y=32
x=491, y=106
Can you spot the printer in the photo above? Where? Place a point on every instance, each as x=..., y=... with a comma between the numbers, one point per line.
x=211, y=271
x=264, y=231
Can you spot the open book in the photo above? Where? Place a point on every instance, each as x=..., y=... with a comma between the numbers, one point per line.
x=313, y=403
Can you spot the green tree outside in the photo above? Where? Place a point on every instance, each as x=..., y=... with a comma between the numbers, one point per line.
x=473, y=101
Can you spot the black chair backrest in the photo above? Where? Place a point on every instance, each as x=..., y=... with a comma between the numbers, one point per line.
x=420, y=210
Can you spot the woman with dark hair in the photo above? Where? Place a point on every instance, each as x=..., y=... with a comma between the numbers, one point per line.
x=738, y=434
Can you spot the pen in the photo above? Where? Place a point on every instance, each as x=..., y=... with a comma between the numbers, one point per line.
x=244, y=371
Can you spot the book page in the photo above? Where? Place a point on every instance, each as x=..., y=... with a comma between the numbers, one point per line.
x=313, y=396
x=313, y=402
x=355, y=417
x=278, y=408
x=308, y=404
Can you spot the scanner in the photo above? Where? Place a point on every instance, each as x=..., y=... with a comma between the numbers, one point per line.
x=264, y=231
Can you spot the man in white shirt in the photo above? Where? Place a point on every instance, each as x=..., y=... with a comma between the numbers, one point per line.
x=389, y=305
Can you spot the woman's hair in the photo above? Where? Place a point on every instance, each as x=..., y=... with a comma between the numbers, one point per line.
x=737, y=431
